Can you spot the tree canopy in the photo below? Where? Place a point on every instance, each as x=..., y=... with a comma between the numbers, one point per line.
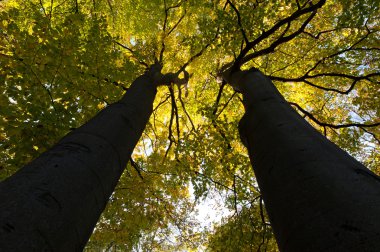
x=62, y=61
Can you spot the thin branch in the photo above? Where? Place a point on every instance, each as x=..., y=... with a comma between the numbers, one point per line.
x=76, y=6
x=161, y=58
x=372, y=134
x=136, y=167
x=43, y=86
x=298, y=4
x=170, y=135
x=133, y=54
x=352, y=77
x=184, y=108
x=43, y=8
x=320, y=33
x=51, y=9
x=213, y=181
x=262, y=211
x=355, y=80
x=176, y=5
x=235, y=195
x=162, y=102
x=175, y=110
x=226, y=104
x=222, y=134
x=115, y=83
x=96, y=97
x=110, y=6
x=263, y=222
x=216, y=104
x=178, y=22
x=239, y=21
x=334, y=126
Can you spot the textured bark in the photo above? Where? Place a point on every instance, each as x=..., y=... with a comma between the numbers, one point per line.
x=318, y=198
x=54, y=202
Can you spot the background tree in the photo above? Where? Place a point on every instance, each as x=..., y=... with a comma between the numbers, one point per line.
x=62, y=61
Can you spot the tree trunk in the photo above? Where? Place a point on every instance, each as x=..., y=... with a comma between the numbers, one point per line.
x=318, y=198
x=54, y=202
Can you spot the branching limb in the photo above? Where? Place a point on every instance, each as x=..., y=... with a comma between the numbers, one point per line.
x=306, y=78
x=300, y=12
x=320, y=33
x=283, y=39
x=165, y=24
x=340, y=52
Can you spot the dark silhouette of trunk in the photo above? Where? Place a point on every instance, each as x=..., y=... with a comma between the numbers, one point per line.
x=318, y=198
x=54, y=202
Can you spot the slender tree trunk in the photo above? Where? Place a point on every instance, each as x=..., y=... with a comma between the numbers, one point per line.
x=318, y=198
x=54, y=202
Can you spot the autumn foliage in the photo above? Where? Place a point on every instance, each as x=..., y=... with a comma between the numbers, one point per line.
x=63, y=61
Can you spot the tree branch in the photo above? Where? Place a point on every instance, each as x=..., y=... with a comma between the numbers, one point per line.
x=372, y=134
x=281, y=40
x=334, y=126
x=136, y=167
x=312, y=8
x=239, y=21
x=133, y=54
x=355, y=80
x=176, y=24
x=184, y=108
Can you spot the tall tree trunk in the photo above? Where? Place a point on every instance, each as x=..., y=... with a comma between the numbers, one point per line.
x=318, y=198
x=54, y=202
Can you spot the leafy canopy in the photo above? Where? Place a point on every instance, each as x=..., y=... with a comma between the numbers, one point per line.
x=62, y=61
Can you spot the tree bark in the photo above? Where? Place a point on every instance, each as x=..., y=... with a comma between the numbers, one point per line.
x=318, y=197
x=54, y=202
